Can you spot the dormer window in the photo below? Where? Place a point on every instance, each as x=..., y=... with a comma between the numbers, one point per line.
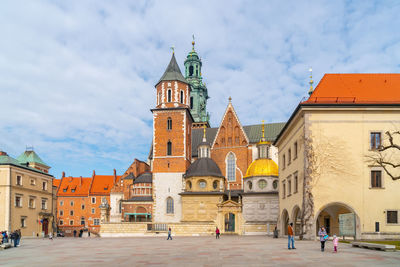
x=65, y=189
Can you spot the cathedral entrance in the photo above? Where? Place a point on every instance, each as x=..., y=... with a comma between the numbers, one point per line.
x=229, y=222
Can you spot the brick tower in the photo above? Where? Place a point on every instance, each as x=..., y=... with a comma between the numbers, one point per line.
x=172, y=123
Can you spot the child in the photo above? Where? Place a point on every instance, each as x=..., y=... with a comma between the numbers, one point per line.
x=335, y=243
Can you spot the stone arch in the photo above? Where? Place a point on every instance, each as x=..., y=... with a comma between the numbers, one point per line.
x=296, y=219
x=141, y=209
x=329, y=214
x=284, y=222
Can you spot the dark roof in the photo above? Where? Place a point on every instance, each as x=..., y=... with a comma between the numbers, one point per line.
x=140, y=199
x=144, y=178
x=172, y=73
x=253, y=132
x=130, y=176
x=203, y=167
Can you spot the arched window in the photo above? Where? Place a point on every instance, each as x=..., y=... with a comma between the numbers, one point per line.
x=191, y=102
x=182, y=97
x=250, y=184
x=169, y=95
x=170, y=205
x=169, y=148
x=169, y=123
x=231, y=167
x=191, y=71
x=215, y=184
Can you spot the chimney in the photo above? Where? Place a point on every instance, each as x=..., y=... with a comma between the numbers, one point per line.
x=94, y=174
x=80, y=181
x=63, y=175
x=2, y=153
x=70, y=179
x=115, y=176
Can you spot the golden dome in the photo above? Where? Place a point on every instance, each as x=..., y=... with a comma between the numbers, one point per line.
x=262, y=167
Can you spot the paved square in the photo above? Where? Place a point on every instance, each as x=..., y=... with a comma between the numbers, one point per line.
x=188, y=251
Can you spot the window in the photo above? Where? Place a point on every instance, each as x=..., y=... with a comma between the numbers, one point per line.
x=392, y=216
x=71, y=212
x=61, y=203
x=19, y=180
x=231, y=167
x=61, y=213
x=170, y=205
x=189, y=184
x=61, y=222
x=275, y=184
x=169, y=124
x=289, y=156
x=169, y=148
x=65, y=189
x=202, y=184
x=169, y=95
x=215, y=184
x=44, y=185
x=71, y=222
x=93, y=200
x=283, y=161
x=71, y=203
x=283, y=190
x=181, y=97
x=44, y=204
x=33, y=182
x=73, y=190
x=23, y=222
x=375, y=140
x=250, y=185
x=376, y=179
x=295, y=150
x=120, y=207
x=96, y=221
x=93, y=211
x=289, y=187
x=32, y=202
x=262, y=184
x=18, y=201
x=83, y=206
x=83, y=221
x=190, y=70
x=296, y=183
x=191, y=102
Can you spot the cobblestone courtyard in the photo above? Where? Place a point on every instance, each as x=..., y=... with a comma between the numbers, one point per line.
x=188, y=251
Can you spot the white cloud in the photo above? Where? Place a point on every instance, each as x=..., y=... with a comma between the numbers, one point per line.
x=77, y=79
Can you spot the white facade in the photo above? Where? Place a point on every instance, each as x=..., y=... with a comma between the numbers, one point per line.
x=115, y=199
x=167, y=185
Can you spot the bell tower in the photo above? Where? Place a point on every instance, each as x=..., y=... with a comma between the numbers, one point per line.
x=198, y=90
x=172, y=148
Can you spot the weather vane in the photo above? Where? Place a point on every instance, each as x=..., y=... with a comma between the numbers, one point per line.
x=311, y=82
x=193, y=42
x=173, y=49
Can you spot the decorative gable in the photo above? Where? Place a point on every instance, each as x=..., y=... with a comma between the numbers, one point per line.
x=230, y=132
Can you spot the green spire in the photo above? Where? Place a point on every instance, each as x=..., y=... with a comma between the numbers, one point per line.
x=198, y=92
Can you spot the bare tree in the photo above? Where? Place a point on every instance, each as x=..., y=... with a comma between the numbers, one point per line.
x=387, y=155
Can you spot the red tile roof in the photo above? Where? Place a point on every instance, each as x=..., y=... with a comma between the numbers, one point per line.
x=357, y=89
x=74, y=186
x=102, y=184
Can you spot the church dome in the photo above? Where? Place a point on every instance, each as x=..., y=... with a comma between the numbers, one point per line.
x=203, y=167
x=262, y=167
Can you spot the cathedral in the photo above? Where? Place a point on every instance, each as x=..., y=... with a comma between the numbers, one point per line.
x=198, y=177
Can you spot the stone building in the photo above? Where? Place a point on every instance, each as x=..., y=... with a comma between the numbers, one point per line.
x=26, y=194
x=186, y=152
x=325, y=152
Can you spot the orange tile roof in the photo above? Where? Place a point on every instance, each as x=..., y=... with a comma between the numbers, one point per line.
x=74, y=186
x=102, y=184
x=56, y=182
x=357, y=89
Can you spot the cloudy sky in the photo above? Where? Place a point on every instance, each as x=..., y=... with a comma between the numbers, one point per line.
x=77, y=77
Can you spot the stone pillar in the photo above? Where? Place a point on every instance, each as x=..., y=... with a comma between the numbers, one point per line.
x=104, y=211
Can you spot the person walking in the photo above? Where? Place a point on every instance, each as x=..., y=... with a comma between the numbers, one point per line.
x=217, y=233
x=335, y=243
x=51, y=236
x=323, y=236
x=290, y=236
x=169, y=234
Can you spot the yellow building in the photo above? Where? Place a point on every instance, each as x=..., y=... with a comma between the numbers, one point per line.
x=327, y=173
x=26, y=195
